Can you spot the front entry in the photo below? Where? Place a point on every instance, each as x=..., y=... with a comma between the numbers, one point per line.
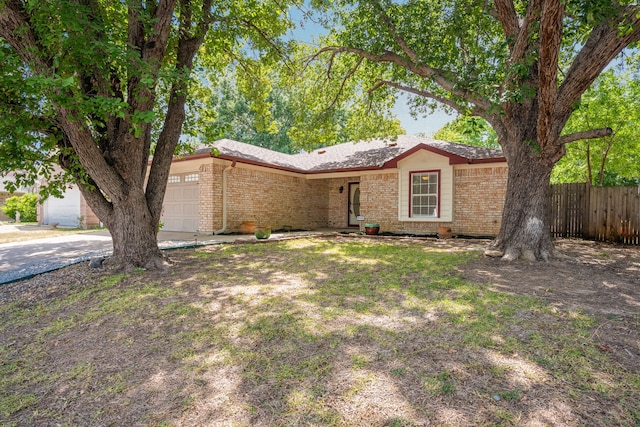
x=354, y=203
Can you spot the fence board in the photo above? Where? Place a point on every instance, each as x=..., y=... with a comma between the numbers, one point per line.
x=568, y=208
x=598, y=213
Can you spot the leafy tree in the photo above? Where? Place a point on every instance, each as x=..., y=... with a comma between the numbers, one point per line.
x=613, y=101
x=469, y=130
x=520, y=65
x=274, y=122
x=235, y=119
x=96, y=86
x=25, y=204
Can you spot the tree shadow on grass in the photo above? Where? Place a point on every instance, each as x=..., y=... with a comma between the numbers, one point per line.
x=306, y=333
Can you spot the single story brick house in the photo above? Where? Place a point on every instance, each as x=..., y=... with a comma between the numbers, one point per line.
x=407, y=185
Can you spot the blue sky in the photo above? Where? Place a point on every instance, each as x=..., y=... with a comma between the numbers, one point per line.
x=426, y=125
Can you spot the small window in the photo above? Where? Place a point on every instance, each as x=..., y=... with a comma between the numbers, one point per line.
x=425, y=194
x=173, y=179
x=191, y=177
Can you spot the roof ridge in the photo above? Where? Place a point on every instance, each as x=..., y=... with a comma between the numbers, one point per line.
x=358, y=155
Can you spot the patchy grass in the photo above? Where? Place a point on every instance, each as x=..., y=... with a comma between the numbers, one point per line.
x=344, y=332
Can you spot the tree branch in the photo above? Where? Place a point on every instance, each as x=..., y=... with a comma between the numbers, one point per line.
x=424, y=93
x=587, y=134
x=188, y=46
x=550, y=42
x=522, y=41
x=401, y=42
x=508, y=17
x=421, y=70
x=94, y=197
x=604, y=43
x=90, y=156
x=15, y=29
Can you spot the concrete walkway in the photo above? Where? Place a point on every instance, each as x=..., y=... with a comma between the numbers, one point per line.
x=22, y=260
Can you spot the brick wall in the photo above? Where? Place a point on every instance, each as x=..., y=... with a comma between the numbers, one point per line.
x=479, y=199
x=89, y=219
x=339, y=202
x=266, y=197
x=379, y=203
x=210, y=198
x=478, y=202
x=279, y=199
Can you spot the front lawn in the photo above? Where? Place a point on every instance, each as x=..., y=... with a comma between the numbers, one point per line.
x=325, y=332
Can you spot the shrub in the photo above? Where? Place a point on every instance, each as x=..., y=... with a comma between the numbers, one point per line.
x=25, y=204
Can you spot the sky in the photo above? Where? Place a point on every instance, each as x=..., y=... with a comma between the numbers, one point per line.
x=426, y=126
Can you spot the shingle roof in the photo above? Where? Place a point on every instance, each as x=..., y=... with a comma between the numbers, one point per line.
x=362, y=155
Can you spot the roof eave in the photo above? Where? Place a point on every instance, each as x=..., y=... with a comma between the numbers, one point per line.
x=488, y=160
x=340, y=170
x=257, y=163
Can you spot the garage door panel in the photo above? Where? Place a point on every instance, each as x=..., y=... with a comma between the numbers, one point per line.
x=181, y=207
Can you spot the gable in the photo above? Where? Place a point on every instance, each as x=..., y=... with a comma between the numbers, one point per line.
x=422, y=161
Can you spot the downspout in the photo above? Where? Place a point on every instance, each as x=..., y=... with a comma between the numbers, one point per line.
x=225, y=172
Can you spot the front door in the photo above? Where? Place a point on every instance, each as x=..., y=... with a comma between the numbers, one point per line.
x=354, y=203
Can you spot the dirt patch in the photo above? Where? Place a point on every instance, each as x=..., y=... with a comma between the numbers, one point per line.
x=599, y=279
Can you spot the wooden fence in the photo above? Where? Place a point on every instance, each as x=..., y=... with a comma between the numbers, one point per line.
x=597, y=213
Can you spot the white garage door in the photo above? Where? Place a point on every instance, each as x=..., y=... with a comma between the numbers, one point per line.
x=180, y=207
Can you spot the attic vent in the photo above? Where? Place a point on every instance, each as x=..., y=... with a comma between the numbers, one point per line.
x=393, y=144
x=322, y=151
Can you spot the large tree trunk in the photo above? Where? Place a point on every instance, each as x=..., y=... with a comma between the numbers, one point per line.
x=525, y=220
x=525, y=229
x=134, y=233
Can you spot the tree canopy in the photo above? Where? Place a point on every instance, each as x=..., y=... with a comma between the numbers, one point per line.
x=97, y=86
x=470, y=130
x=520, y=65
x=276, y=121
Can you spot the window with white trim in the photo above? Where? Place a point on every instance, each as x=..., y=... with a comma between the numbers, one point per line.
x=191, y=177
x=425, y=194
x=173, y=179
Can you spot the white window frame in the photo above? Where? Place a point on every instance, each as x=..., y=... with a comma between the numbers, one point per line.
x=436, y=213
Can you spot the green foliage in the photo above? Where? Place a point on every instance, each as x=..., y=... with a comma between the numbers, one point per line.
x=25, y=204
x=275, y=108
x=228, y=113
x=88, y=69
x=469, y=130
x=460, y=39
x=333, y=107
x=613, y=101
x=455, y=53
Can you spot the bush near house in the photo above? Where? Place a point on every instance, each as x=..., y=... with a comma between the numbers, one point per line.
x=25, y=204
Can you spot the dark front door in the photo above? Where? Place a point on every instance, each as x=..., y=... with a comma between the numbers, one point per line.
x=354, y=203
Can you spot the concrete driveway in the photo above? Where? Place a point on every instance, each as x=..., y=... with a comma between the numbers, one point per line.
x=20, y=260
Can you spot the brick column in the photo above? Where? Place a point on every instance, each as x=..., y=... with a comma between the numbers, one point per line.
x=210, y=210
